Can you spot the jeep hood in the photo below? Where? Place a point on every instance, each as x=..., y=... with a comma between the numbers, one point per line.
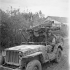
x=24, y=48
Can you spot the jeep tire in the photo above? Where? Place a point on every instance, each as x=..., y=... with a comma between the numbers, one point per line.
x=34, y=65
x=58, y=55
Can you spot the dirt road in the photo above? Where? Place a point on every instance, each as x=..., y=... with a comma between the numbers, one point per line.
x=63, y=65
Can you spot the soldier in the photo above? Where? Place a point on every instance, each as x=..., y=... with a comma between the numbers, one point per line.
x=41, y=37
x=30, y=38
x=51, y=40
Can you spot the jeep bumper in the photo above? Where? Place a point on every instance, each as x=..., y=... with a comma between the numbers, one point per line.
x=7, y=68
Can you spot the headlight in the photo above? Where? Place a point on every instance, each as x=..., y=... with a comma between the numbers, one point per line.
x=3, y=53
x=20, y=54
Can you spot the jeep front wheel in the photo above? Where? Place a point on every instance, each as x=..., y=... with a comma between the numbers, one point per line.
x=34, y=65
x=58, y=55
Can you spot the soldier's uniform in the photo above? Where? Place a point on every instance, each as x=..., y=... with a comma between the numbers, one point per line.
x=51, y=41
x=41, y=37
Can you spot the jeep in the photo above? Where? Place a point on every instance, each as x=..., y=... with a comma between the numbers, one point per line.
x=32, y=54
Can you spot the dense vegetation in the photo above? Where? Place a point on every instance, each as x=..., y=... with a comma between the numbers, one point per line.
x=11, y=22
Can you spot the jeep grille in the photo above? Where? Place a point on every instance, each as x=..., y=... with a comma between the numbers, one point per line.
x=12, y=57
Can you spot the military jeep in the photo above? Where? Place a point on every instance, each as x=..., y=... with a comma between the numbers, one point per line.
x=32, y=54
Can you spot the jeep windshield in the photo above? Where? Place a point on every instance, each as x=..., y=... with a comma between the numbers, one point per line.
x=34, y=43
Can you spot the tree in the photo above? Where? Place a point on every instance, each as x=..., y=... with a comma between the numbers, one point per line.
x=12, y=21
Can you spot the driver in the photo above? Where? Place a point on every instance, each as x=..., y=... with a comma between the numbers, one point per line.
x=41, y=37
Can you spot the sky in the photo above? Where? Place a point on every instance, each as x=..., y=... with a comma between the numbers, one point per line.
x=48, y=7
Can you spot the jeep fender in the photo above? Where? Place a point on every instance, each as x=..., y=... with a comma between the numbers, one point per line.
x=33, y=55
x=37, y=55
x=58, y=46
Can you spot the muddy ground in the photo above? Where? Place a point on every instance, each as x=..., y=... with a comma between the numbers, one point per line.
x=63, y=65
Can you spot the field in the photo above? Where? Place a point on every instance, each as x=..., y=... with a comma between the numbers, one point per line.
x=63, y=65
